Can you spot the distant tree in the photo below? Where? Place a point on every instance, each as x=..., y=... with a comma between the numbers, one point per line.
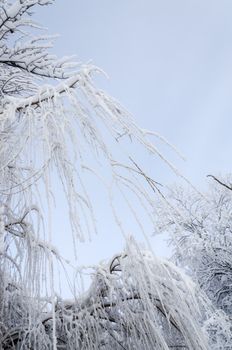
x=200, y=229
x=53, y=122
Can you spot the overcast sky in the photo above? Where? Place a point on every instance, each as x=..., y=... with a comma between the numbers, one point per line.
x=170, y=64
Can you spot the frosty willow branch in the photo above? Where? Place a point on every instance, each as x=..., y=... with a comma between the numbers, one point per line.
x=54, y=122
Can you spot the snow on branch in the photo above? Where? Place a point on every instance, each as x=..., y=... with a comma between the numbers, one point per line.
x=145, y=304
x=56, y=111
x=28, y=56
x=56, y=126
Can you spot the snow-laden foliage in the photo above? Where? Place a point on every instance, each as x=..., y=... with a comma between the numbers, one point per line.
x=135, y=302
x=54, y=123
x=200, y=229
x=37, y=131
x=201, y=232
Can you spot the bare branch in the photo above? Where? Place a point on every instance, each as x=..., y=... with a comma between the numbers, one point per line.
x=220, y=182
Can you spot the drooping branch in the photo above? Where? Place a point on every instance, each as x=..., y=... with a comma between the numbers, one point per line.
x=108, y=306
x=46, y=93
x=136, y=301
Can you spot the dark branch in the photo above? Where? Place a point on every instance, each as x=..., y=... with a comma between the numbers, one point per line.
x=220, y=182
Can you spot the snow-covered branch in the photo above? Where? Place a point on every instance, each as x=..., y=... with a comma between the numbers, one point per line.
x=57, y=127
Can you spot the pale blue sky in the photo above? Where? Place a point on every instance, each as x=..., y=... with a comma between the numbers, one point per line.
x=170, y=65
